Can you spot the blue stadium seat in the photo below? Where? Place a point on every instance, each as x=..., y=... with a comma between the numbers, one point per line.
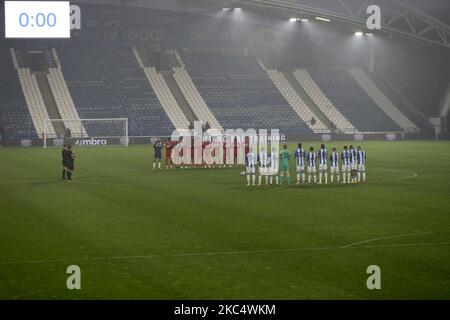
x=15, y=120
x=240, y=93
x=108, y=83
x=351, y=100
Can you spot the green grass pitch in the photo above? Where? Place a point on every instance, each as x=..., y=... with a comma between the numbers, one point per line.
x=203, y=234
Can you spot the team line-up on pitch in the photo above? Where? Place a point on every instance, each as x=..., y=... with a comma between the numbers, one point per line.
x=273, y=165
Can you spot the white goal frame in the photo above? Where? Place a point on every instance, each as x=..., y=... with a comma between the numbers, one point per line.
x=48, y=123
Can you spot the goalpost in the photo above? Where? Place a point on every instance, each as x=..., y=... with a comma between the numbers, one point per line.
x=86, y=132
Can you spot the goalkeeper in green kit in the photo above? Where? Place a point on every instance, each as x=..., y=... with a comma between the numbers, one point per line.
x=285, y=156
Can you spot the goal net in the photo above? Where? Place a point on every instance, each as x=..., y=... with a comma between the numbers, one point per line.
x=86, y=132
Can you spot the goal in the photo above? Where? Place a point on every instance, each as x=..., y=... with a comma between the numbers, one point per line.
x=86, y=132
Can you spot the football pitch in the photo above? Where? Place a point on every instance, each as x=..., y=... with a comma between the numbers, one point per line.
x=203, y=234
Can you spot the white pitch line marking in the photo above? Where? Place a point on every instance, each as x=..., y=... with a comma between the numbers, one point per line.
x=411, y=175
x=223, y=253
x=391, y=237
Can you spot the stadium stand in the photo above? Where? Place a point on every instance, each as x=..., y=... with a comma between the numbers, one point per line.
x=352, y=101
x=225, y=91
x=240, y=94
x=322, y=102
x=382, y=101
x=106, y=83
x=15, y=120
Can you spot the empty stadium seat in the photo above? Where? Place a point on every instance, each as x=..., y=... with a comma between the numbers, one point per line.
x=15, y=120
x=108, y=83
x=240, y=94
x=351, y=100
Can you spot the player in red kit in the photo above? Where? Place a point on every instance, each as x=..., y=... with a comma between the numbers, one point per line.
x=192, y=153
x=235, y=150
x=224, y=154
x=204, y=144
x=169, y=145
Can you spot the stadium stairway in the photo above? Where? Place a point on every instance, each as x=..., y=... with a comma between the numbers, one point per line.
x=351, y=100
x=33, y=97
x=164, y=94
x=311, y=105
x=63, y=98
x=35, y=102
x=401, y=102
x=382, y=101
x=295, y=101
x=190, y=92
x=322, y=102
x=50, y=103
x=178, y=95
x=53, y=90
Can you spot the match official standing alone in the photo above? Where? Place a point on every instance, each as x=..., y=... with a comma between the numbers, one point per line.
x=70, y=162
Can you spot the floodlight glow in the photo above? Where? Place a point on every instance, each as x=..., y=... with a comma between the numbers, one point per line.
x=369, y=34
x=358, y=33
x=305, y=20
x=293, y=19
x=323, y=19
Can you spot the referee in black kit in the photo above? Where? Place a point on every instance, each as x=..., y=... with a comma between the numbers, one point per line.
x=64, y=161
x=70, y=162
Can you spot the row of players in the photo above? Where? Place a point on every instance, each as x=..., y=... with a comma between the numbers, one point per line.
x=169, y=146
x=353, y=165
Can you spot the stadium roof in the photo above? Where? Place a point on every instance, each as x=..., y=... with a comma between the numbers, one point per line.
x=439, y=9
x=397, y=16
x=427, y=21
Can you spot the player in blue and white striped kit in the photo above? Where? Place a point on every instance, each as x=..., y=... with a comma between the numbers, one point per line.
x=323, y=155
x=250, y=160
x=300, y=157
x=345, y=156
x=311, y=158
x=274, y=164
x=263, y=164
x=353, y=165
x=361, y=160
x=334, y=165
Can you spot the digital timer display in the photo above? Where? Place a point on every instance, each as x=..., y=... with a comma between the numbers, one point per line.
x=37, y=19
